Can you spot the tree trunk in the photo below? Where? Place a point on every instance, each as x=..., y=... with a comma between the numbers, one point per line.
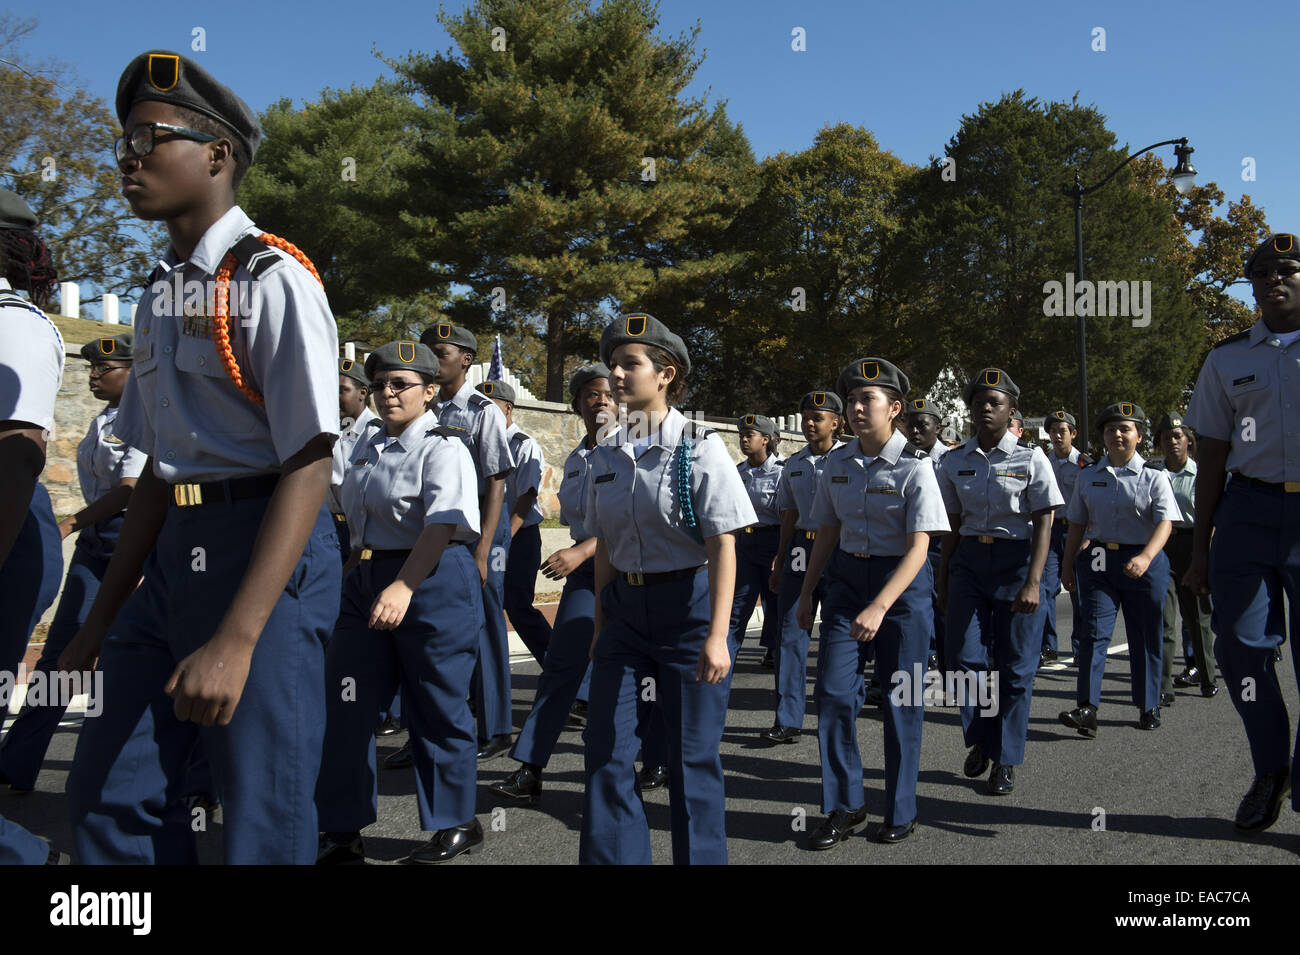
x=556, y=325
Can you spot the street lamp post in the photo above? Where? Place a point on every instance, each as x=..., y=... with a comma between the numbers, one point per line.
x=1183, y=176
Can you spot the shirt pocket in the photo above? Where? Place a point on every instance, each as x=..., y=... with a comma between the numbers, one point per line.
x=847, y=496
x=1006, y=490
x=1245, y=384
x=764, y=491
x=234, y=415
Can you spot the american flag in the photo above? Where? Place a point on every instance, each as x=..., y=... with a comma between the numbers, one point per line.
x=496, y=370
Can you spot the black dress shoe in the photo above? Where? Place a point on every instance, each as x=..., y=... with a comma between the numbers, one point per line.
x=976, y=762
x=1150, y=719
x=495, y=746
x=1082, y=718
x=523, y=785
x=1167, y=699
x=1189, y=677
x=1048, y=656
x=1002, y=780
x=782, y=734
x=839, y=825
x=874, y=696
x=55, y=857
x=1209, y=689
x=932, y=663
x=769, y=660
x=1260, y=806
x=651, y=777
x=340, y=848
x=578, y=714
x=892, y=834
x=448, y=843
x=402, y=758
x=388, y=727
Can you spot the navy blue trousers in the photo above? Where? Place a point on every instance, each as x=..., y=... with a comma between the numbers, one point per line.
x=564, y=669
x=130, y=771
x=792, y=648
x=1254, y=561
x=491, y=685
x=901, y=645
x=1051, y=584
x=754, y=555
x=648, y=651
x=520, y=588
x=1103, y=592
x=430, y=655
x=938, y=642
x=984, y=636
x=29, y=582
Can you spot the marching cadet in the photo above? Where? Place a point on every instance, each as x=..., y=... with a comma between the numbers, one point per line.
x=823, y=415
x=524, y=518
x=1067, y=461
x=1000, y=493
x=757, y=545
x=238, y=412
x=1241, y=412
x=107, y=468
x=355, y=419
x=413, y=494
x=923, y=425
x=480, y=424
x=31, y=558
x=663, y=504
x=1017, y=424
x=876, y=506
x=1178, y=444
x=568, y=653
x=1123, y=509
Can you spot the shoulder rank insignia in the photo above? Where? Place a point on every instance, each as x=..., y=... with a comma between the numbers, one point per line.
x=1240, y=336
x=255, y=256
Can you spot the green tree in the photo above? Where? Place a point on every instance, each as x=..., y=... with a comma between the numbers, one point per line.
x=563, y=164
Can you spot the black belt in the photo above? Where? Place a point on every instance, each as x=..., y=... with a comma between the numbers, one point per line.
x=1286, y=487
x=368, y=554
x=761, y=528
x=1184, y=530
x=1110, y=545
x=217, y=492
x=640, y=580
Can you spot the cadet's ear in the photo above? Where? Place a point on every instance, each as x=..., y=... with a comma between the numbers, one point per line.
x=221, y=156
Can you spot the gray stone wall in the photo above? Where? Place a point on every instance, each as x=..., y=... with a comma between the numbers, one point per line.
x=555, y=427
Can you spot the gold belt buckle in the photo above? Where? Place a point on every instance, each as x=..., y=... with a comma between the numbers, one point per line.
x=862, y=555
x=341, y=518
x=367, y=553
x=749, y=530
x=1112, y=546
x=1292, y=487
x=984, y=539
x=636, y=580
x=187, y=495
x=810, y=535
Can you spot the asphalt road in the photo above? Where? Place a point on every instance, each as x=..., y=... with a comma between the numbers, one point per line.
x=1168, y=796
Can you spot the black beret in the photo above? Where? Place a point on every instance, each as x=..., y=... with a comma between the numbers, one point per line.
x=923, y=406
x=117, y=348
x=497, y=389
x=1283, y=245
x=14, y=212
x=1121, y=411
x=398, y=356
x=447, y=332
x=584, y=375
x=822, y=401
x=1060, y=414
x=166, y=77
x=872, y=371
x=643, y=329
x=354, y=370
x=1169, y=421
x=759, y=423
x=991, y=379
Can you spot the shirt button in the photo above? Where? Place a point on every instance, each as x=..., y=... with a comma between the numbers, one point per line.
x=203, y=361
x=171, y=455
x=164, y=402
x=167, y=349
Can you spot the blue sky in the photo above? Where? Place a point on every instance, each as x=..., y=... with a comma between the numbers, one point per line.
x=906, y=71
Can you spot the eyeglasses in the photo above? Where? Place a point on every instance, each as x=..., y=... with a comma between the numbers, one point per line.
x=1262, y=272
x=144, y=137
x=98, y=369
x=380, y=385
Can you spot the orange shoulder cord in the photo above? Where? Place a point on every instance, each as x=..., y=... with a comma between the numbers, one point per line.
x=221, y=321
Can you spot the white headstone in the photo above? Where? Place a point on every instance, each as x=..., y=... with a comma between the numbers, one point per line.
x=69, y=300
x=350, y=351
x=110, y=309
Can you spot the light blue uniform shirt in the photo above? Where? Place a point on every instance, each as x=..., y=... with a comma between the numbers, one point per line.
x=996, y=492
x=1248, y=393
x=1184, y=485
x=1122, y=505
x=761, y=484
x=343, y=448
x=181, y=408
x=877, y=503
x=31, y=361
x=103, y=458
x=798, y=484
x=397, y=487
x=527, y=473
x=1066, y=471
x=573, y=492
x=478, y=422
x=632, y=500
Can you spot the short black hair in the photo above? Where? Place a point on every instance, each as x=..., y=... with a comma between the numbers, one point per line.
x=206, y=124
